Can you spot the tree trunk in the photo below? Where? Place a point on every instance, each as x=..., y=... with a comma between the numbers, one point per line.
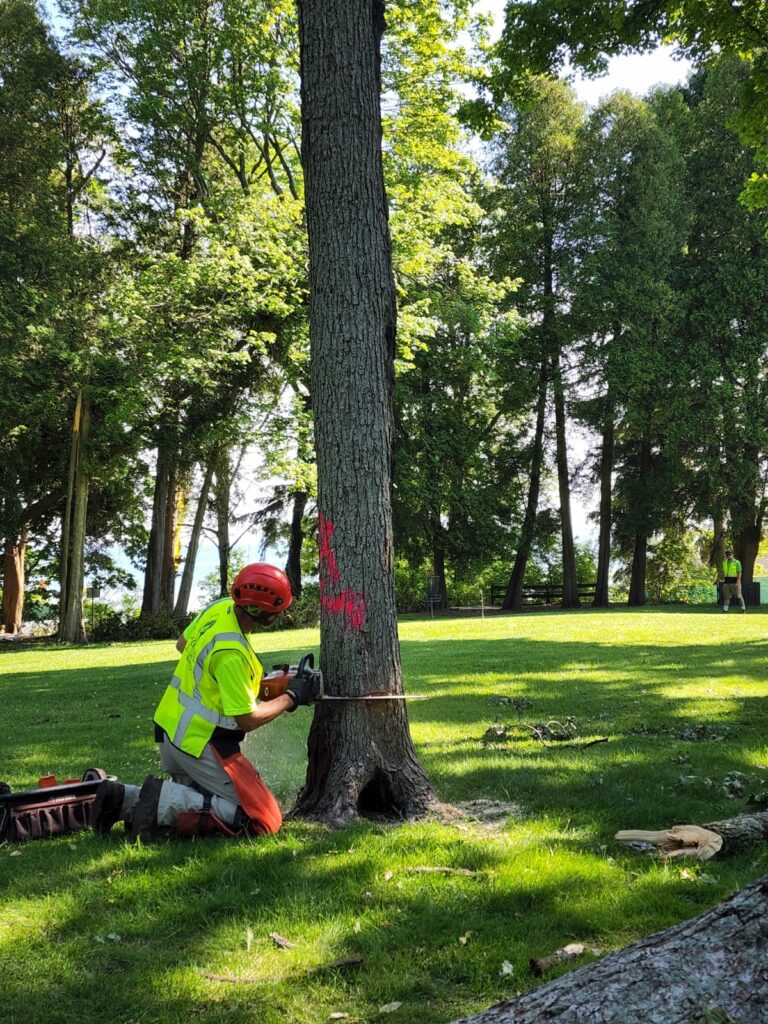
x=709, y=969
x=221, y=490
x=158, y=534
x=71, y=623
x=746, y=544
x=361, y=758
x=717, y=552
x=188, y=574
x=439, y=571
x=570, y=583
x=14, y=555
x=513, y=599
x=296, y=542
x=637, y=580
x=640, y=554
x=174, y=513
x=602, y=586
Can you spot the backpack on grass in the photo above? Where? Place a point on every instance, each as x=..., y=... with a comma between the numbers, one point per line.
x=54, y=809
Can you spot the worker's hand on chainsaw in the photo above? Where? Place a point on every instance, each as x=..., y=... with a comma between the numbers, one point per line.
x=302, y=690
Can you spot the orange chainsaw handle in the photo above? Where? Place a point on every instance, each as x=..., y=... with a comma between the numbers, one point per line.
x=275, y=683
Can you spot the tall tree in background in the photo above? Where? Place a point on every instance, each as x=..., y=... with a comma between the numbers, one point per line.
x=535, y=173
x=725, y=281
x=361, y=758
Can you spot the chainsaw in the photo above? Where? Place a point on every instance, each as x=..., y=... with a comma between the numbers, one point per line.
x=276, y=682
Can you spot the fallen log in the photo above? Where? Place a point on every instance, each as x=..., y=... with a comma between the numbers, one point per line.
x=703, y=841
x=713, y=968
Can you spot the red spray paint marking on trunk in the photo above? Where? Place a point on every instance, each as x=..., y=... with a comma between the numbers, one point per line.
x=350, y=602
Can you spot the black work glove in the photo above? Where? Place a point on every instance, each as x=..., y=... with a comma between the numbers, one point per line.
x=302, y=690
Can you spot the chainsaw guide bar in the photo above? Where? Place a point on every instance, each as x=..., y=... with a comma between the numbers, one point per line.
x=376, y=696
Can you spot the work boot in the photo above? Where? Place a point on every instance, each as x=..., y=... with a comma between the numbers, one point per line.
x=108, y=805
x=144, y=816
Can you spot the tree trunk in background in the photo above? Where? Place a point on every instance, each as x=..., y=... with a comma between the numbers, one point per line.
x=155, y=589
x=746, y=543
x=602, y=586
x=438, y=557
x=570, y=583
x=71, y=624
x=221, y=497
x=717, y=552
x=296, y=542
x=513, y=599
x=361, y=757
x=639, y=562
x=174, y=512
x=14, y=556
x=709, y=969
x=185, y=587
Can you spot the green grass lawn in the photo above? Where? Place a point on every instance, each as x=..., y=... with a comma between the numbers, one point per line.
x=95, y=930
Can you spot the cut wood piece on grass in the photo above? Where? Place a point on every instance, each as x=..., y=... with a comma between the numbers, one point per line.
x=281, y=942
x=710, y=968
x=540, y=965
x=232, y=979
x=704, y=841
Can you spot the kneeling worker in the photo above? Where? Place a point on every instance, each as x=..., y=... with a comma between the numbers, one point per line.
x=206, y=710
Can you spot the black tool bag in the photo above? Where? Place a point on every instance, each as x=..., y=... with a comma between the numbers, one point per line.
x=54, y=809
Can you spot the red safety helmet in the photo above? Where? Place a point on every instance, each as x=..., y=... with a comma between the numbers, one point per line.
x=262, y=586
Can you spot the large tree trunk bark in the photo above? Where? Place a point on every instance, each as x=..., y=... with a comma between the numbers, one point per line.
x=174, y=513
x=570, y=583
x=71, y=623
x=441, y=592
x=188, y=573
x=361, y=758
x=602, y=585
x=14, y=555
x=712, y=968
x=513, y=599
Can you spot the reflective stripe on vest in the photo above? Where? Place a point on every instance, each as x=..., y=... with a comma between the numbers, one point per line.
x=190, y=710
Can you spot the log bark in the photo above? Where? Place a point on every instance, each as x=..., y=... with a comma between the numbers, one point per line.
x=713, y=968
x=361, y=758
x=153, y=574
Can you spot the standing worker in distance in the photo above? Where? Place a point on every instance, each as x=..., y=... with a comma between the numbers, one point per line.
x=731, y=579
x=203, y=716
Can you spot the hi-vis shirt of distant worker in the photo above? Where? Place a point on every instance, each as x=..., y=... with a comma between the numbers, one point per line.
x=731, y=577
x=203, y=715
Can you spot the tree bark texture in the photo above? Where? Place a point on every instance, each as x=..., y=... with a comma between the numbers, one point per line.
x=513, y=599
x=71, y=623
x=570, y=583
x=713, y=968
x=361, y=758
x=746, y=543
x=14, y=555
x=602, y=585
x=187, y=575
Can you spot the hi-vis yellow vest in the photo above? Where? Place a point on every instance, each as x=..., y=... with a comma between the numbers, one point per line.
x=191, y=708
